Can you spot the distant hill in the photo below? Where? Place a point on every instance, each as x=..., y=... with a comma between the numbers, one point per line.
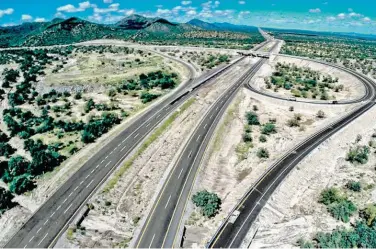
x=222, y=26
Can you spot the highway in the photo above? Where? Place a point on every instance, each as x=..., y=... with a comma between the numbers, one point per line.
x=52, y=218
x=162, y=226
x=231, y=235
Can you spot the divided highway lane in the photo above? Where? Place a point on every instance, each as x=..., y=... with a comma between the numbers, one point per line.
x=163, y=222
x=231, y=235
x=53, y=217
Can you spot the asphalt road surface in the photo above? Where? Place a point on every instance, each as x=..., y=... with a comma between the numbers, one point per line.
x=53, y=217
x=231, y=235
x=163, y=222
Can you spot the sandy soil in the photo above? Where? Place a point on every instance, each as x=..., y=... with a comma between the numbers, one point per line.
x=134, y=194
x=227, y=175
x=293, y=211
x=353, y=88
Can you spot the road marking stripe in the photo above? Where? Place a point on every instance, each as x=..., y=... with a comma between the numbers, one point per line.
x=46, y=222
x=148, y=125
x=52, y=214
x=123, y=148
x=136, y=136
x=111, y=152
x=65, y=200
x=158, y=115
x=180, y=173
x=39, y=230
x=102, y=161
x=92, y=171
x=70, y=194
x=43, y=239
x=205, y=126
x=190, y=154
x=75, y=188
x=151, y=241
x=97, y=166
x=31, y=239
x=81, y=182
x=66, y=210
x=58, y=207
x=198, y=138
x=90, y=183
x=167, y=202
x=107, y=164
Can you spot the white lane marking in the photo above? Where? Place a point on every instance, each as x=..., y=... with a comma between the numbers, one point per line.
x=97, y=166
x=180, y=173
x=205, y=126
x=167, y=202
x=158, y=115
x=151, y=241
x=107, y=164
x=216, y=108
x=81, y=182
x=43, y=239
x=92, y=171
x=66, y=210
x=45, y=222
x=124, y=141
x=65, y=200
x=106, y=157
x=75, y=188
x=190, y=154
x=111, y=152
x=58, y=207
x=136, y=136
x=39, y=230
x=102, y=161
x=211, y=116
x=31, y=239
x=87, y=177
x=148, y=125
x=70, y=194
x=25, y=246
x=90, y=183
x=123, y=148
x=198, y=138
x=52, y=214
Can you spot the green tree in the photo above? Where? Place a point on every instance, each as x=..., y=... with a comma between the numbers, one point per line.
x=354, y=186
x=209, y=203
x=342, y=210
x=252, y=118
x=22, y=184
x=17, y=165
x=5, y=200
x=268, y=128
x=263, y=153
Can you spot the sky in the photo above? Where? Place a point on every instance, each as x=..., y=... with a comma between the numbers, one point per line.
x=321, y=15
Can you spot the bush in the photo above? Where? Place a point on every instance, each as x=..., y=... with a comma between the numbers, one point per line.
x=247, y=137
x=358, y=154
x=369, y=214
x=320, y=114
x=354, y=186
x=342, y=210
x=263, y=139
x=330, y=195
x=268, y=129
x=148, y=97
x=209, y=203
x=5, y=200
x=22, y=184
x=6, y=150
x=252, y=118
x=263, y=153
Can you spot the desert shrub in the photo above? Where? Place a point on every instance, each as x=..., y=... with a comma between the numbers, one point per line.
x=252, y=118
x=354, y=186
x=5, y=200
x=342, y=210
x=268, y=129
x=263, y=139
x=320, y=114
x=148, y=97
x=263, y=153
x=369, y=214
x=209, y=203
x=358, y=154
x=330, y=195
x=247, y=137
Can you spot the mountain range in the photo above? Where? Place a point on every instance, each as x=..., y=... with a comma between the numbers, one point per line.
x=134, y=27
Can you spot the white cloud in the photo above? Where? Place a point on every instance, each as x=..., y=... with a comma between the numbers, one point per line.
x=353, y=14
x=366, y=19
x=317, y=10
x=40, y=19
x=163, y=11
x=112, y=8
x=71, y=9
x=241, y=2
x=331, y=18
x=127, y=12
x=216, y=4
x=9, y=24
x=107, y=1
x=8, y=11
x=244, y=14
x=96, y=17
x=26, y=17
x=186, y=2
x=60, y=15
x=341, y=15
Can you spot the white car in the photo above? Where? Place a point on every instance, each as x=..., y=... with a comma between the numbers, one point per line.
x=234, y=216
